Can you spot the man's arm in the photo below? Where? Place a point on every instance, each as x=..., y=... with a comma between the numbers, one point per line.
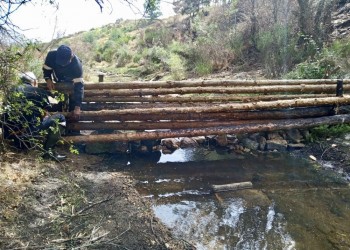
x=78, y=93
x=48, y=70
x=78, y=96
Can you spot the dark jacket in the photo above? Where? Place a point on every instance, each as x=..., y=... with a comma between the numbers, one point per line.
x=72, y=72
x=24, y=112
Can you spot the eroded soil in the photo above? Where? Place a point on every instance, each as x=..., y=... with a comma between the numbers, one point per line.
x=47, y=205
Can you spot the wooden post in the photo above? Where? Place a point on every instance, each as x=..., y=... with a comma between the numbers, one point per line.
x=100, y=77
x=340, y=88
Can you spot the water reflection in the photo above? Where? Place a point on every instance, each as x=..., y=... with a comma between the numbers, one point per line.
x=293, y=204
x=232, y=223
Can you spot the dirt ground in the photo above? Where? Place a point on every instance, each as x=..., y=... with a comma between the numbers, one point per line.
x=73, y=205
x=76, y=205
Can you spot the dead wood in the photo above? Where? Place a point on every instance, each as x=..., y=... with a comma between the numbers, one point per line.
x=232, y=186
x=196, y=98
x=308, y=102
x=221, y=116
x=192, y=83
x=315, y=89
x=239, y=129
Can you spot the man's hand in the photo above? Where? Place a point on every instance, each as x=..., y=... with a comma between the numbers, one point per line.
x=76, y=112
x=49, y=84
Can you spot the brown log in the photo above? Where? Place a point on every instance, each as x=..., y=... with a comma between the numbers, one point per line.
x=232, y=186
x=200, y=83
x=221, y=116
x=316, y=89
x=186, y=99
x=308, y=102
x=153, y=125
x=207, y=83
x=239, y=129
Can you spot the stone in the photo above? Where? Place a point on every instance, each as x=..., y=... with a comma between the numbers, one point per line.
x=294, y=135
x=262, y=143
x=274, y=136
x=221, y=140
x=279, y=145
x=200, y=139
x=250, y=144
x=295, y=146
x=188, y=142
x=171, y=143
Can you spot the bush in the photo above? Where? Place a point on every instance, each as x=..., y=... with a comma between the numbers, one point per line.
x=123, y=56
x=276, y=50
x=177, y=69
x=326, y=64
x=157, y=55
x=324, y=131
x=203, y=68
x=158, y=36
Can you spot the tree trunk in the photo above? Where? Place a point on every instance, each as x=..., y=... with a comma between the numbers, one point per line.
x=221, y=116
x=187, y=83
x=188, y=99
x=316, y=89
x=218, y=108
x=239, y=129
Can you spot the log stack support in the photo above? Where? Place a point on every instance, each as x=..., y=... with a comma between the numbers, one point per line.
x=133, y=111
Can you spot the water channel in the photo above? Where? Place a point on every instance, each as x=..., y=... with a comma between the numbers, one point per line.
x=294, y=204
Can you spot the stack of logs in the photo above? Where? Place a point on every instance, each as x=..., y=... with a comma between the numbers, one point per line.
x=165, y=109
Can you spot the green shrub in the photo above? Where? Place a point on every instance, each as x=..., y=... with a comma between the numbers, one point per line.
x=324, y=131
x=157, y=54
x=326, y=64
x=90, y=37
x=123, y=56
x=276, y=50
x=177, y=68
x=136, y=58
x=203, y=68
x=158, y=36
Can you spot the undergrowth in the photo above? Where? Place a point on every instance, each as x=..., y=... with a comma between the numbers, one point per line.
x=326, y=131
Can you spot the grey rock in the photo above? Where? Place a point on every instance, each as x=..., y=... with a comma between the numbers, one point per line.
x=279, y=145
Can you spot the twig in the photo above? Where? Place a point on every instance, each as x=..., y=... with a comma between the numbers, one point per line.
x=92, y=205
x=108, y=242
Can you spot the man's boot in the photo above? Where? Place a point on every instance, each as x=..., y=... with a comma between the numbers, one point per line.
x=51, y=140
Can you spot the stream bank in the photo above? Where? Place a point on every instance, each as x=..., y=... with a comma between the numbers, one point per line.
x=83, y=203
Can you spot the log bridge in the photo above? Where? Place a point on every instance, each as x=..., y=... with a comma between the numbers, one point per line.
x=165, y=109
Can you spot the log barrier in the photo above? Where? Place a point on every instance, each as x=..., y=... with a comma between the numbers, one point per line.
x=131, y=111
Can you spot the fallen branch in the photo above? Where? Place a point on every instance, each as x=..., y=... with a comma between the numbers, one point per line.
x=232, y=187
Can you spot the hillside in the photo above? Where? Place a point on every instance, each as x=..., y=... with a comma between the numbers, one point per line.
x=222, y=38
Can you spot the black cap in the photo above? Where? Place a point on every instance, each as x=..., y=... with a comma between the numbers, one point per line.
x=64, y=55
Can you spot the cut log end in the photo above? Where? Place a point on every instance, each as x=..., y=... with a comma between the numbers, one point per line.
x=232, y=186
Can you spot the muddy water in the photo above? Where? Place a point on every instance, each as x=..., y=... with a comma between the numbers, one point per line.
x=293, y=204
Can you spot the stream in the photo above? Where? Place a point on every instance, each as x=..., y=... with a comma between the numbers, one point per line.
x=294, y=204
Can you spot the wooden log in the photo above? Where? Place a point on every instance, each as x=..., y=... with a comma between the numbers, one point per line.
x=76, y=126
x=316, y=89
x=239, y=129
x=207, y=83
x=232, y=187
x=199, y=83
x=113, y=106
x=221, y=116
x=187, y=99
x=307, y=102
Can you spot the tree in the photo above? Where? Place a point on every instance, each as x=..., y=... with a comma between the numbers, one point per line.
x=190, y=7
x=152, y=9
